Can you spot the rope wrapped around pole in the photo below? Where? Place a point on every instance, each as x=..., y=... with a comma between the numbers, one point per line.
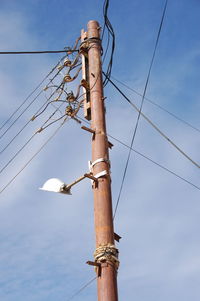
x=107, y=253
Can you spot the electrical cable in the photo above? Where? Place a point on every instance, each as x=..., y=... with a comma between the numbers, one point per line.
x=111, y=33
x=34, y=99
x=67, y=51
x=26, y=124
x=58, y=87
x=44, y=127
x=156, y=163
x=27, y=142
x=29, y=161
x=46, y=106
x=51, y=80
x=17, y=153
x=154, y=126
x=147, y=158
x=157, y=105
x=81, y=289
x=141, y=105
x=107, y=46
x=37, y=87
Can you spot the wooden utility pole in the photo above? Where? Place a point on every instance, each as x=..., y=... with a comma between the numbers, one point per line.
x=106, y=254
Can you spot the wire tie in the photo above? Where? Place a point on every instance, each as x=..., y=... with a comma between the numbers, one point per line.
x=39, y=130
x=33, y=118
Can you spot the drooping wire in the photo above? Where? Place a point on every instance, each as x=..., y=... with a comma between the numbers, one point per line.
x=140, y=110
x=68, y=50
x=81, y=289
x=107, y=47
x=157, y=105
x=71, y=67
x=44, y=126
x=156, y=163
x=27, y=142
x=154, y=126
x=111, y=34
x=27, y=107
x=36, y=88
x=29, y=161
x=45, y=105
x=147, y=158
x=26, y=124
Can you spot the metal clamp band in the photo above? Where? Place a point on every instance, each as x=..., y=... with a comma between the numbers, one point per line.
x=98, y=161
x=101, y=174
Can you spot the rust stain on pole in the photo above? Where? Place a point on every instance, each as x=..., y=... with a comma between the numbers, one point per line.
x=107, y=281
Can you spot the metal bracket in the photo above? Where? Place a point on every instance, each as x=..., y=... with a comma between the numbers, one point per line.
x=90, y=176
x=97, y=267
x=98, y=161
x=117, y=237
x=89, y=130
x=101, y=174
x=110, y=145
x=95, y=264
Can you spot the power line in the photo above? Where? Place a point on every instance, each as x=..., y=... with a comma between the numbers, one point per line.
x=29, y=161
x=36, y=88
x=156, y=163
x=154, y=126
x=67, y=51
x=148, y=158
x=141, y=105
x=26, y=124
x=34, y=99
x=111, y=33
x=157, y=105
x=70, y=68
x=61, y=86
x=81, y=289
x=10, y=142
x=27, y=142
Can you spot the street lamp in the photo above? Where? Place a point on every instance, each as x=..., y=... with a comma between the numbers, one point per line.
x=56, y=185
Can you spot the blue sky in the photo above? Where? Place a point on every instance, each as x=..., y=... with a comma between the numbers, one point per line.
x=46, y=238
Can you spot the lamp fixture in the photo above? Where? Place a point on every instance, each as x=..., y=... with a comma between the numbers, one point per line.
x=56, y=185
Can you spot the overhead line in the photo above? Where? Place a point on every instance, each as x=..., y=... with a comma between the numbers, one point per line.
x=116, y=139
x=108, y=25
x=36, y=114
x=26, y=143
x=154, y=126
x=68, y=51
x=148, y=158
x=34, y=99
x=20, y=131
x=81, y=289
x=156, y=163
x=27, y=163
x=141, y=105
x=31, y=93
x=157, y=105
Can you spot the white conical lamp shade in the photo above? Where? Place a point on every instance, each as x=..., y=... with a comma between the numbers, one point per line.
x=55, y=185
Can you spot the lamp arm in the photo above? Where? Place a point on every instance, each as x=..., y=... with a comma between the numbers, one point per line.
x=86, y=175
